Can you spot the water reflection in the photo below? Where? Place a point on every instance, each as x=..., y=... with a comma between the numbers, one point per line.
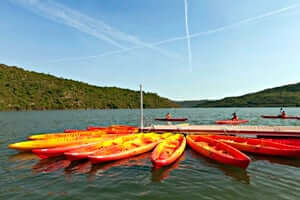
x=139, y=160
x=23, y=156
x=294, y=162
x=79, y=167
x=51, y=164
x=161, y=173
x=236, y=173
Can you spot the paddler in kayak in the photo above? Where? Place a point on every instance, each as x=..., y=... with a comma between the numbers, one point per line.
x=168, y=116
x=234, y=117
x=282, y=113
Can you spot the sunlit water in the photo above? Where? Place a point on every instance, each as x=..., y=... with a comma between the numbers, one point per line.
x=24, y=176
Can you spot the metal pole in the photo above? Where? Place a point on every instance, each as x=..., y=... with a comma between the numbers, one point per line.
x=141, y=108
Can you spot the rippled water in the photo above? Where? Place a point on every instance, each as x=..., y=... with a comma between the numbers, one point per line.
x=24, y=176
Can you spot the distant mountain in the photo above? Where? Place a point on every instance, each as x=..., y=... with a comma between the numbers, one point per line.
x=284, y=96
x=25, y=90
x=191, y=103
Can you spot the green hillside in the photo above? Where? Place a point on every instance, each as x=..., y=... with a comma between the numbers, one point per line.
x=191, y=103
x=25, y=90
x=287, y=96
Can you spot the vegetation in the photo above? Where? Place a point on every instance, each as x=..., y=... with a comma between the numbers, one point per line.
x=25, y=90
x=284, y=96
x=191, y=103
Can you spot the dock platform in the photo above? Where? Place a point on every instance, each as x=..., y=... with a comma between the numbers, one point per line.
x=281, y=131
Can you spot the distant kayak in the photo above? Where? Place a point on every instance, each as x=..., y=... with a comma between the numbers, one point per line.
x=230, y=121
x=172, y=119
x=279, y=117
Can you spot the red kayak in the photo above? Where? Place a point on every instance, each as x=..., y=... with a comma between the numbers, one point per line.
x=258, y=146
x=218, y=151
x=171, y=119
x=73, y=131
x=279, y=117
x=115, y=129
x=93, y=128
x=230, y=121
x=289, y=141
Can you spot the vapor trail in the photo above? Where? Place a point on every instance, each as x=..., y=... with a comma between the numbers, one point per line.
x=187, y=32
x=195, y=35
x=64, y=15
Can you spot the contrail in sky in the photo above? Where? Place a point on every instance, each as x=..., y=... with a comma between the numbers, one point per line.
x=195, y=35
x=187, y=31
x=83, y=23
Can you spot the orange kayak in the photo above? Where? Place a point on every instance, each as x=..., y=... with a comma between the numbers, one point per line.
x=218, y=151
x=258, y=146
x=139, y=145
x=169, y=150
x=84, y=152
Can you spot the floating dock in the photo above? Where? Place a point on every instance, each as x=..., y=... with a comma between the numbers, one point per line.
x=279, y=131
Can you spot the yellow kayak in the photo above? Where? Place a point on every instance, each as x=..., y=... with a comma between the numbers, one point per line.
x=56, y=142
x=48, y=136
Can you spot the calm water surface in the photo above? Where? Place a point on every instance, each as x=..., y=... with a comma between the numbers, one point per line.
x=24, y=176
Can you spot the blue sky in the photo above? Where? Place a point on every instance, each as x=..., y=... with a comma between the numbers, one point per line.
x=236, y=47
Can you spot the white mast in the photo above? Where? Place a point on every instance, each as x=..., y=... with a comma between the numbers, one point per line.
x=141, y=108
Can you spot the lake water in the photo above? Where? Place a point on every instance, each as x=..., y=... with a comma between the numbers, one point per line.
x=24, y=176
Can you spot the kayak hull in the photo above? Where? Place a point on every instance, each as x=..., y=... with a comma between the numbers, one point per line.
x=168, y=151
x=232, y=121
x=218, y=151
x=259, y=146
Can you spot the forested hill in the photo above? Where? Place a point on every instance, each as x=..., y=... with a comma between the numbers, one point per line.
x=25, y=90
x=284, y=96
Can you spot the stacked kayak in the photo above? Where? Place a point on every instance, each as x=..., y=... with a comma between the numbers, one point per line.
x=77, y=134
x=139, y=145
x=84, y=152
x=169, y=150
x=258, y=146
x=233, y=122
x=57, y=151
x=51, y=143
x=218, y=151
x=115, y=129
x=73, y=130
x=286, y=141
x=94, y=131
x=279, y=117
